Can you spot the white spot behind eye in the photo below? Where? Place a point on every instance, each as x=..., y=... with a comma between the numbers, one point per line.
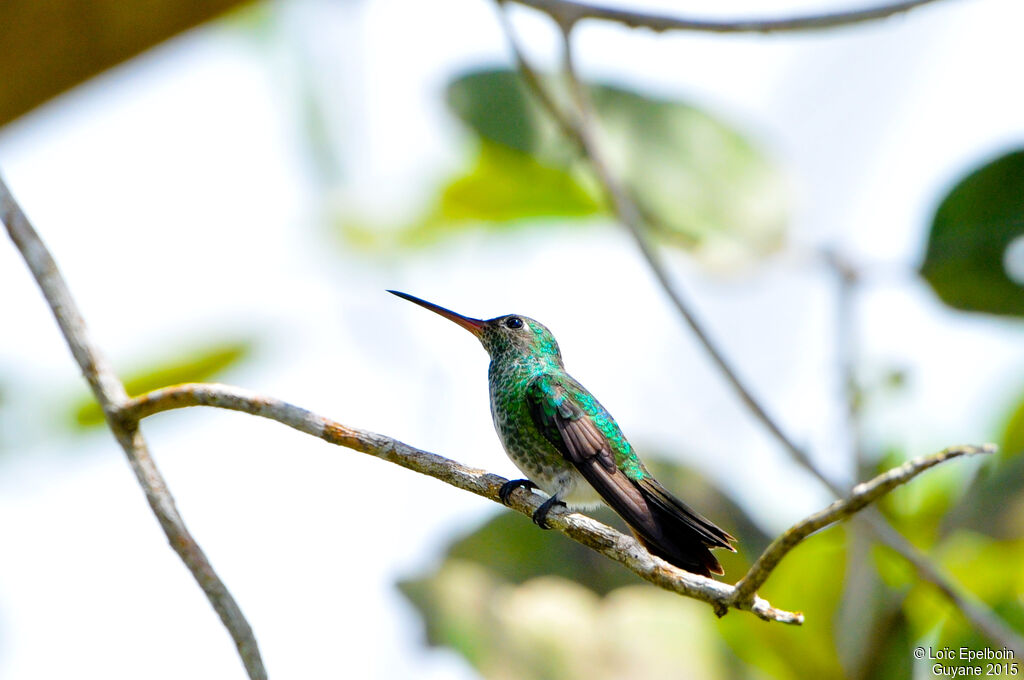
x=1013, y=260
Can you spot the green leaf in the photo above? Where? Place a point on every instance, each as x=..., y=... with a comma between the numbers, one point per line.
x=701, y=183
x=506, y=184
x=196, y=365
x=505, y=189
x=967, y=255
x=496, y=105
x=810, y=579
x=1012, y=442
x=918, y=509
x=706, y=186
x=987, y=568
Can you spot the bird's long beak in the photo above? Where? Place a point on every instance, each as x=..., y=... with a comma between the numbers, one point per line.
x=474, y=326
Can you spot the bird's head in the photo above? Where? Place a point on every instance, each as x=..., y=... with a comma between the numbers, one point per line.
x=510, y=335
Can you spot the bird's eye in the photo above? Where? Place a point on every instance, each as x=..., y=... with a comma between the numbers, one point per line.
x=513, y=322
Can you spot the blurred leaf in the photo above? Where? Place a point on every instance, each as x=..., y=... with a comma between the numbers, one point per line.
x=987, y=568
x=701, y=183
x=196, y=365
x=509, y=185
x=1012, y=442
x=450, y=602
x=896, y=573
x=49, y=47
x=872, y=633
x=809, y=579
x=890, y=653
x=553, y=628
x=511, y=547
x=966, y=259
x=994, y=502
x=918, y=509
x=504, y=189
x=496, y=105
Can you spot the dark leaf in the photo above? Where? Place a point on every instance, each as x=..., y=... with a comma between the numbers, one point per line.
x=972, y=244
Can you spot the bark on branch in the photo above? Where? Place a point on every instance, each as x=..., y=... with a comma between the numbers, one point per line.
x=591, y=533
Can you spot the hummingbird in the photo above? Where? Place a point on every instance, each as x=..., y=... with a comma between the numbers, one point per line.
x=571, y=448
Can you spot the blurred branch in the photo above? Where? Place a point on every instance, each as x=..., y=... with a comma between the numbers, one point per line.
x=566, y=13
x=583, y=128
x=859, y=497
x=846, y=350
x=111, y=395
x=605, y=540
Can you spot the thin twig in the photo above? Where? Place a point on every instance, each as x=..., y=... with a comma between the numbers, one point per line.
x=111, y=395
x=861, y=496
x=626, y=211
x=567, y=13
x=593, y=534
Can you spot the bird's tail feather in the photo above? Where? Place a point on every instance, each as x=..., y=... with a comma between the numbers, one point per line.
x=684, y=537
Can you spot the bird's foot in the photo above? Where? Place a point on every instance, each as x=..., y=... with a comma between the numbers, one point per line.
x=508, y=487
x=540, y=517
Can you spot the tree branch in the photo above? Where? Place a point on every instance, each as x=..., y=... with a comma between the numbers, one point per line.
x=591, y=533
x=629, y=215
x=111, y=395
x=566, y=13
x=859, y=498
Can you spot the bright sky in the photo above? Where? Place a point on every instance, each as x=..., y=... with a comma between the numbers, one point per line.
x=176, y=196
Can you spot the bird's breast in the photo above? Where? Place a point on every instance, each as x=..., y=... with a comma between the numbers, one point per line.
x=531, y=452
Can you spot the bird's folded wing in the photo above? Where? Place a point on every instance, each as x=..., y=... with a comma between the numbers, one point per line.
x=563, y=422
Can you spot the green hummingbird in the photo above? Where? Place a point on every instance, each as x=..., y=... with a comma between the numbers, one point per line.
x=571, y=448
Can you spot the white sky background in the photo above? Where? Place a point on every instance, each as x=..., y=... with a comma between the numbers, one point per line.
x=179, y=202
